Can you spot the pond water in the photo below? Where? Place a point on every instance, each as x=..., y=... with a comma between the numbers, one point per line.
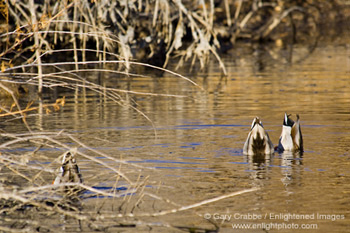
x=196, y=152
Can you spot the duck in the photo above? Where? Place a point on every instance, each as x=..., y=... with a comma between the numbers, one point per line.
x=69, y=172
x=291, y=138
x=258, y=140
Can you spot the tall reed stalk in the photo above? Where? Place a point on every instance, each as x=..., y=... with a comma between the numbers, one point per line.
x=37, y=45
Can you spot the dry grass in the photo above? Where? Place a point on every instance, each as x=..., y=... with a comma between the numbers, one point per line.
x=152, y=31
x=27, y=189
x=26, y=177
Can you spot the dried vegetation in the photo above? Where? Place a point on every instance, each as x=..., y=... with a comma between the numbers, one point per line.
x=153, y=31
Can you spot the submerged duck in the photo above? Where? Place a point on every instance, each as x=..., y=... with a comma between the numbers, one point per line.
x=258, y=141
x=291, y=138
x=69, y=171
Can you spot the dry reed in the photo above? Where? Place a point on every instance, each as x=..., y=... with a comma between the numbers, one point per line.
x=26, y=185
x=151, y=31
x=26, y=188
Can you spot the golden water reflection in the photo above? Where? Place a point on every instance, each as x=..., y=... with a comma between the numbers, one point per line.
x=197, y=153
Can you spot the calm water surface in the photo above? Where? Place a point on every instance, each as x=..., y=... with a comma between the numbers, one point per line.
x=197, y=152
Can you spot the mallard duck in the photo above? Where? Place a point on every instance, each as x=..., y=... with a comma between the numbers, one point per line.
x=69, y=171
x=258, y=141
x=291, y=138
